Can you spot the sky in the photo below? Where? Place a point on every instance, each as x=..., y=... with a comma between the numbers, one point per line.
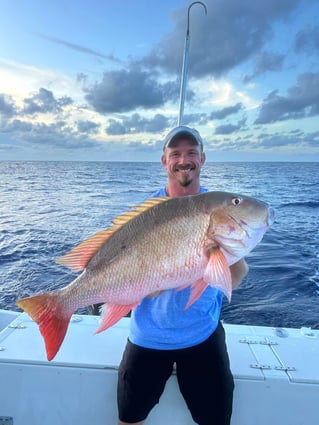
x=100, y=80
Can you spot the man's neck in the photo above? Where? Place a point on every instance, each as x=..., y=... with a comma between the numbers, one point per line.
x=177, y=191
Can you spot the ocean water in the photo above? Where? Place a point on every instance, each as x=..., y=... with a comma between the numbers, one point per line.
x=46, y=208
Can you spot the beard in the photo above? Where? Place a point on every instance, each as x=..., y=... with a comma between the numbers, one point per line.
x=185, y=181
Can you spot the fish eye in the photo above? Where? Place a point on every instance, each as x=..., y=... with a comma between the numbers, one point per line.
x=236, y=201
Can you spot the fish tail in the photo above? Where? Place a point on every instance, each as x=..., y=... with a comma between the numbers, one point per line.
x=53, y=320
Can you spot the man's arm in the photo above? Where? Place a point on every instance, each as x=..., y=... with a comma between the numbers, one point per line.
x=238, y=272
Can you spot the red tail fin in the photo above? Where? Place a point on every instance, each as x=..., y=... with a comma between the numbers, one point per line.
x=52, y=319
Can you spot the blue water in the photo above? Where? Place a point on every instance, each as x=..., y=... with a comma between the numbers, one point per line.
x=47, y=208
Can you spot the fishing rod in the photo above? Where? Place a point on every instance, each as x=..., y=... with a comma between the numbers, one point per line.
x=185, y=64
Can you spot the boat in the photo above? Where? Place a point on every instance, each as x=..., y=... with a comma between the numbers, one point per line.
x=276, y=370
x=276, y=375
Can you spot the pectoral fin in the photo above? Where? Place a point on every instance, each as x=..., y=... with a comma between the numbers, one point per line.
x=218, y=274
x=112, y=313
x=197, y=289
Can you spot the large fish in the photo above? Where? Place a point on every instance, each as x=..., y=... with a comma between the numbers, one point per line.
x=163, y=243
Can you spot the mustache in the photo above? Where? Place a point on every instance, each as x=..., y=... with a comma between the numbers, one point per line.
x=184, y=167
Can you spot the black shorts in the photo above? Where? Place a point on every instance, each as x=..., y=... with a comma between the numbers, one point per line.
x=203, y=375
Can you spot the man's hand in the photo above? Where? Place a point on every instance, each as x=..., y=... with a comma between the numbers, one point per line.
x=238, y=272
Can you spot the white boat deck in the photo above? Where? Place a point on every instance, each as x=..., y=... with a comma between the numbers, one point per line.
x=276, y=375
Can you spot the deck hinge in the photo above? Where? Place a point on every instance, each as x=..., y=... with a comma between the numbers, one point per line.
x=269, y=367
x=260, y=366
x=248, y=341
x=17, y=326
x=285, y=368
x=265, y=341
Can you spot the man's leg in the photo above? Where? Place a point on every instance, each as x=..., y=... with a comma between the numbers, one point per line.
x=142, y=377
x=206, y=381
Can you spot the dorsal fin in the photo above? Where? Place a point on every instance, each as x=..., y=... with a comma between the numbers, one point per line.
x=78, y=258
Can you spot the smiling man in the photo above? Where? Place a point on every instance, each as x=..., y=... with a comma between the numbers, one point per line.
x=164, y=333
x=183, y=159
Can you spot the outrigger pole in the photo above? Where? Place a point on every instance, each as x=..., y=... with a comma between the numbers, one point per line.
x=185, y=63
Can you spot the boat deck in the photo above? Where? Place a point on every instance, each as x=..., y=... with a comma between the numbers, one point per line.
x=276, y=376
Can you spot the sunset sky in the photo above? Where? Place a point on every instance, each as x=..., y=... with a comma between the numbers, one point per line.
x=100, y=80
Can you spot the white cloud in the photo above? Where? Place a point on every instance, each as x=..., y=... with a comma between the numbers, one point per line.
x=20, y=80
x=217, y=93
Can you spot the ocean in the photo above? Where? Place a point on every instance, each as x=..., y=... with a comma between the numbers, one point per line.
x=46, y=208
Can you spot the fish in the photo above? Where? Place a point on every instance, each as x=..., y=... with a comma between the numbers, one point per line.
x=163, y=243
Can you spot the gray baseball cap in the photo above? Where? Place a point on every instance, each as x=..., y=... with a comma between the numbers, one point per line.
x=179, y=133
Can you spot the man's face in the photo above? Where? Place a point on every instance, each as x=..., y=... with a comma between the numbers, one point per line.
x=183, y=162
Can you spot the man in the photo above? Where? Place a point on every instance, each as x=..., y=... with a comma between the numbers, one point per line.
x=163, y=333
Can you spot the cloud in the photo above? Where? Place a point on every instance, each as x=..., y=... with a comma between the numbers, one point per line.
x=307, y=40
x=231, y=33
x=278, y=140
x=81, y=78
x=124, y=90
x=19, y=80
x=301, y=101
x=16, y=126
x=44, y=101
x=137, y=124
x=137, y=100
x=195, y=119
x=115, y=128
x=265, y=62
x=312, y=139
x=225, y=112
x=230, y=128
x=226, y=129
x=88, y=127
x=57, y=135
x=7, y=107
x=214, y=50
x=80, y=48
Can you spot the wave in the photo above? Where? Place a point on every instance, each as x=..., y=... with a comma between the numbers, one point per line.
x=308, y=204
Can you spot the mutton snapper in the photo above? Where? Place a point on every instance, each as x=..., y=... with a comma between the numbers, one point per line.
x=163, y=243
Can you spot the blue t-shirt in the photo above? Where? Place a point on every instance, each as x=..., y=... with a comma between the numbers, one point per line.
x=162, y=323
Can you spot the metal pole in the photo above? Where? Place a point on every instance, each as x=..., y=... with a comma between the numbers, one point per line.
x=185, y=65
